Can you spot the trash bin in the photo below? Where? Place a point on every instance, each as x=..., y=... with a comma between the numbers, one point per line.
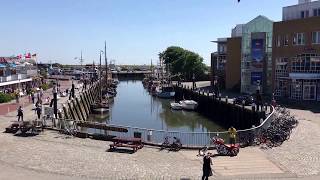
x=137, y=134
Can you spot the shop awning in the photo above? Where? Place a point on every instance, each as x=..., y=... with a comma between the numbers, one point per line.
x=304, y=75
x=15, y=82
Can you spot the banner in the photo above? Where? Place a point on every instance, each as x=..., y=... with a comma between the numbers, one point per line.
x=255, y=77
x=257, y=52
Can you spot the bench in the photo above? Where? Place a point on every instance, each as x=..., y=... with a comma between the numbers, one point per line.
x=134, y=143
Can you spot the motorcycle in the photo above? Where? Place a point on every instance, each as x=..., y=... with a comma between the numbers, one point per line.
x=225, y=149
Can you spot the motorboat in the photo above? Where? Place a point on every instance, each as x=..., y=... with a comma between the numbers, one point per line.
x=188, y=104
x=165, y=92
x=175, y=106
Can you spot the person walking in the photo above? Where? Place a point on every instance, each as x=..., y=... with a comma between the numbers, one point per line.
x=32, y=97
x=38, y=110
x=232, y=135
x=20, y=113
x=206, y=168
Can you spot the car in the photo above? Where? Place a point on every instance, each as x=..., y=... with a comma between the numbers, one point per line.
x=248, y=100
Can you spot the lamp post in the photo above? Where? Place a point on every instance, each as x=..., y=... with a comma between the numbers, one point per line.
x=215, y=86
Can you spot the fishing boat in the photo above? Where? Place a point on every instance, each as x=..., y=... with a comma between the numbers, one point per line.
x=175, y=106
x=188, y=104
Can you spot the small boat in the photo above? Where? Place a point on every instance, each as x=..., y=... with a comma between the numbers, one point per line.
x=176, y=106
x=100, y=110
x=165, y=92
x=189, y=104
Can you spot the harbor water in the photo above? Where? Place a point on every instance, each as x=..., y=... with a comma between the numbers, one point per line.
x=134, y=106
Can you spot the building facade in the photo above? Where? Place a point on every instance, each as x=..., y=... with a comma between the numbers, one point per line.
x=296, y=53
x=218, y=63
x=256, y=56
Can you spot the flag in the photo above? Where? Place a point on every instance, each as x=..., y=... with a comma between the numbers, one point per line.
x=27, y=55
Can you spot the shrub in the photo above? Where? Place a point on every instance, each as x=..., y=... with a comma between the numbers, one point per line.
x=5, y=98
x=45, y=86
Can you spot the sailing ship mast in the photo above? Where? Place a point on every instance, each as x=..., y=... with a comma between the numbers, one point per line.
x=106, y=61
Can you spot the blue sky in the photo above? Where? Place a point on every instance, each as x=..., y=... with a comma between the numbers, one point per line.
x=135, y=30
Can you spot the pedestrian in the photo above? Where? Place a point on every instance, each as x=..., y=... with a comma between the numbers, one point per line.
x=17, y=97
x=32, y=97
x=20, y=113
x=38, y=110
x=232, y=135
x=206, y=168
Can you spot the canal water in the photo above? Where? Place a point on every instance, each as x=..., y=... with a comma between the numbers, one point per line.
x=134, y=106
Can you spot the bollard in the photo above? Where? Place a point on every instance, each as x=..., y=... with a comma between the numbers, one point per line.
x=149, y=135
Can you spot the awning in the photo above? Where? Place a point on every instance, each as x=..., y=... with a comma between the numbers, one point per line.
x=304, y=75
x=15, y=82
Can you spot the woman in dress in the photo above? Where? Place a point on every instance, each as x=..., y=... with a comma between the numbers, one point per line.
x=207, y=162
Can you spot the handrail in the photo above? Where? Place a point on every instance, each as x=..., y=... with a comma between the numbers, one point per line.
x=217, y=132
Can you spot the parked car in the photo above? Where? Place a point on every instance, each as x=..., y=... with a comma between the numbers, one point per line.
x=246, y=98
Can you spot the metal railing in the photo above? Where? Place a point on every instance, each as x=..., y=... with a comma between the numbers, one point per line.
x=156, y=137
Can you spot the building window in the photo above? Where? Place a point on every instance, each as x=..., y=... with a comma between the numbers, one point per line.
x=296, y=90
x=307, y=14
x=316, y=37
x=307, y=63
x=302, y=14
x=298, y=39
x=278, y=41
x=286, y=40
x=315, y=12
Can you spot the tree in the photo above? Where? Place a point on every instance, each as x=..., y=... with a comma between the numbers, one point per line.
x=184, y=62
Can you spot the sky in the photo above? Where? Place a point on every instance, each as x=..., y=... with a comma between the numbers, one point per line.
x=135, y=30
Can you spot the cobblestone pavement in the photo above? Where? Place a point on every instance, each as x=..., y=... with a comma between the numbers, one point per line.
x=55, y=156
x=52, y=153
x=301, y=153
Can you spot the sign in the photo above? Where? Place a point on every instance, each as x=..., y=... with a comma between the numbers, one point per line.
x=256, y=77
x=48, y=111
x=257, y=52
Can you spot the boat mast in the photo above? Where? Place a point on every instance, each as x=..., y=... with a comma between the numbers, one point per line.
x=100, y=80
x=106, y=60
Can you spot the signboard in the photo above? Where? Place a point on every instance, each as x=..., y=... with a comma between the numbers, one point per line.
x=257, y=52
x=255, y=77
x=48, y=111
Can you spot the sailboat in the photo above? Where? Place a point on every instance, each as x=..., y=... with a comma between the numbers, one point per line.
x=165, y=90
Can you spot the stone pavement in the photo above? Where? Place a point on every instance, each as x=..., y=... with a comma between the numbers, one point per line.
x=51, y=155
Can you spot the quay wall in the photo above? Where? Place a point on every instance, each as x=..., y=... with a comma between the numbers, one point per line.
x=221, y=112
x=78, y=108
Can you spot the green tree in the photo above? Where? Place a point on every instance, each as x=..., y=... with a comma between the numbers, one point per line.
x=184, y=62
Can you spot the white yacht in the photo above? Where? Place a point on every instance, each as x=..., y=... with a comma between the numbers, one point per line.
x=189, y=104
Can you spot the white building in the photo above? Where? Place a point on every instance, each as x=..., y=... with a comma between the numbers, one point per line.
x=304, y=9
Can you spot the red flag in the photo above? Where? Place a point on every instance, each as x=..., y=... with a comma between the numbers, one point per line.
x=28, y=55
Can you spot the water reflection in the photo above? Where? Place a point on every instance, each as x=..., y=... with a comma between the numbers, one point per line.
x=133, y=106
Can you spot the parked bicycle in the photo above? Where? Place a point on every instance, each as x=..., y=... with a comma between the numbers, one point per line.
x=176, y=145
x=279, y=129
